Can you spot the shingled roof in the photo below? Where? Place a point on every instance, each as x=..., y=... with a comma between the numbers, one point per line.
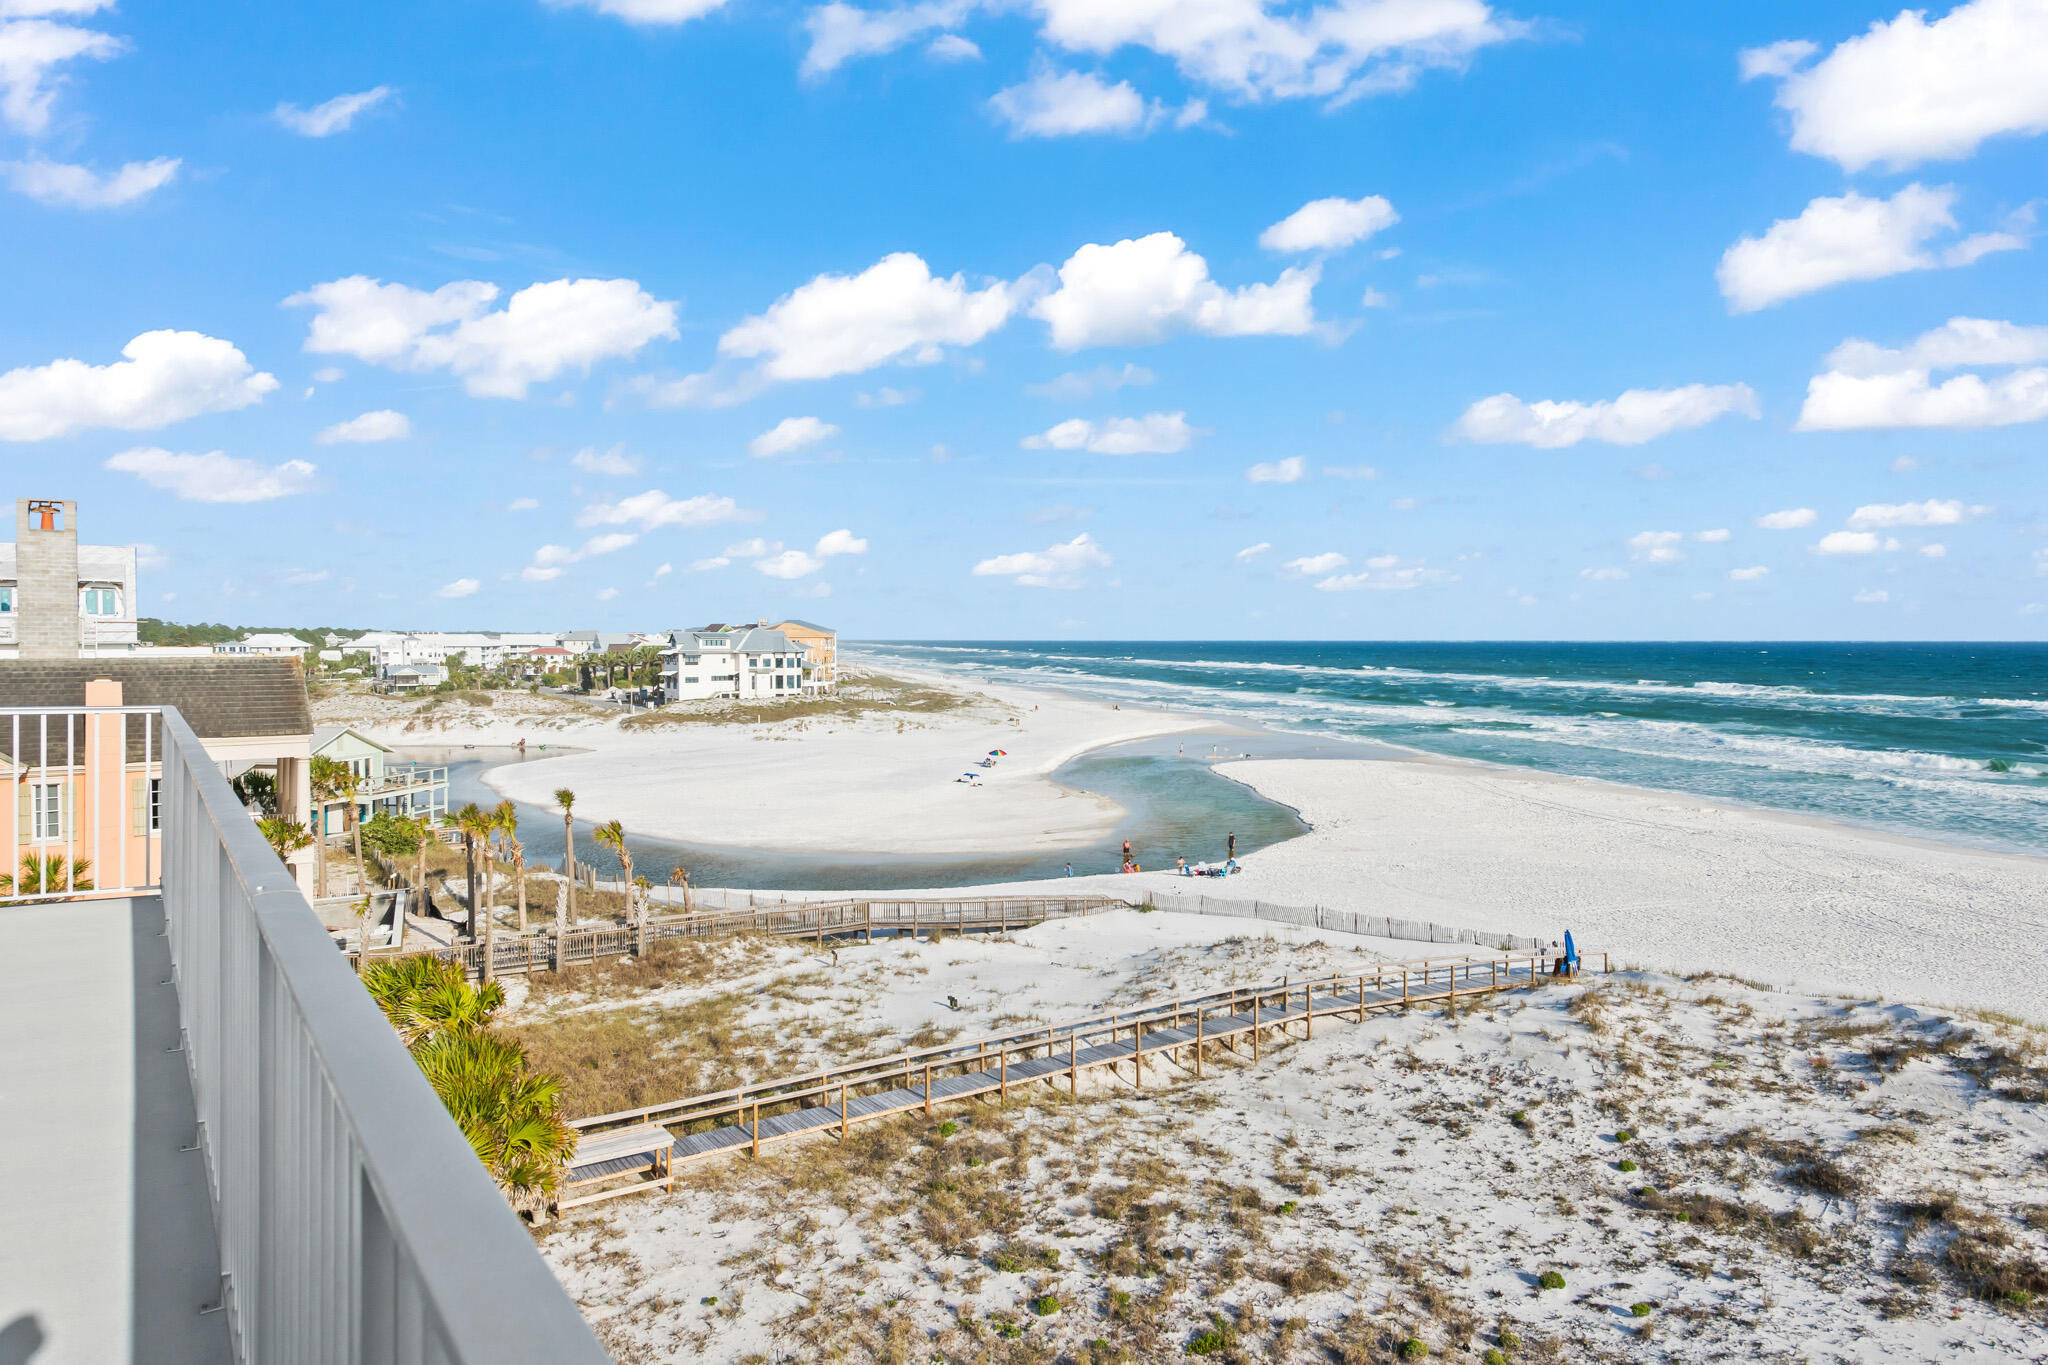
x=224, y=697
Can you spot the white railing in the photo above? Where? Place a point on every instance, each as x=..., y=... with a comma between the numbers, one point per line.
x=81, y=804
x=356, y=1225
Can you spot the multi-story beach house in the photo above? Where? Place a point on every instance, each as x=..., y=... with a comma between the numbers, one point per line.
x=382, y=786
x=820, y=645
x=80, y=597
x=747, y=663
x=265, y=645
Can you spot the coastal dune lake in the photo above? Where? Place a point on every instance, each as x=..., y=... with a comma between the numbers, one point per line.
x=1174, y=804
x=1944, y=741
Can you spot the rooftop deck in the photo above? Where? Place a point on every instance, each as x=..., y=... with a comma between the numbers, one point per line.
x=107, y=1244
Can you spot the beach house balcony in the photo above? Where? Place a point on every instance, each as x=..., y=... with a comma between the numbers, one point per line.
x=219, y=1151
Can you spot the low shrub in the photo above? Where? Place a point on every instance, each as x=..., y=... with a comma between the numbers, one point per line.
x=1626, y=1166
x=948, y=1128
x=1550, y=1279
x=1640, y=1310
x=1045, y=1305
x=1625, y=1135
x=1494, y=1357
x=1415, y=1348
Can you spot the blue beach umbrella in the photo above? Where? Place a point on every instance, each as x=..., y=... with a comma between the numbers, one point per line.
x=1571, y=950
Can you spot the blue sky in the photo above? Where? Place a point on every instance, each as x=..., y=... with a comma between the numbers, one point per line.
x=1037, y=319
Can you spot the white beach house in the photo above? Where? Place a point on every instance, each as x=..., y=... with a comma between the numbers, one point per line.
x=743, y=662
x=265, y=645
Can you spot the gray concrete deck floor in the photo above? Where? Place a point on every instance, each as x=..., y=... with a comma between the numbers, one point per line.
x=107, y=1245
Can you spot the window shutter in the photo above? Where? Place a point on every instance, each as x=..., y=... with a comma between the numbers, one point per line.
x=25, y=796
x=65, y=822
x=138, y=802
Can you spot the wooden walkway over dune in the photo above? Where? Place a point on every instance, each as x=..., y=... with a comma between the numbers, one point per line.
x=637, y=1150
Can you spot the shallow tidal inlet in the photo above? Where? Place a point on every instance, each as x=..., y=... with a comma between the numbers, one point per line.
x=1175, y=806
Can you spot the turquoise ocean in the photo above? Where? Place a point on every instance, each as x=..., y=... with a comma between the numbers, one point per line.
x=1948, y=741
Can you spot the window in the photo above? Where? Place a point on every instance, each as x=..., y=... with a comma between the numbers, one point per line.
x=102, y=602
x=7, y=598
x=46, y=811
x=689, y=680
x=156, y=796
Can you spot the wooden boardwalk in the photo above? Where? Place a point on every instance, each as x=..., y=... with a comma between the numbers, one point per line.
x=643, y=1147
x=820, y=921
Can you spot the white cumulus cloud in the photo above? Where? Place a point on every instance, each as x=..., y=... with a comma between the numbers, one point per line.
x=655, y=508
x=1064, y=565
x=613, y=463
x=542, y=331
x=895, y=310
x=382, y=425
x=1330, y=224
x=707, y=564
x=1292, y=469
x=1719, y=535
x=1851, y=237
x=1849, y=543
x=331, y=116
x=1933, y=512
x=461, y=587
x=1791, y=519
x=31, y=50
x=1157, y=433
x=214, y=476
x=1078, y=384
x=646, y=12
x=1604, y=575
x=1251, y=552
x=1656, y=547
x=789, y=564
x=1068, y=104
x=1908, y=90
x=1870, y=386
x=80, y=187
x=1386, y=573
x=1871, y=597
x=165, y=378
x=1309, y=565
x=791, y=433
x=1143, y=290
x=840, y=542
x=1638, y=415
x=1754, y=573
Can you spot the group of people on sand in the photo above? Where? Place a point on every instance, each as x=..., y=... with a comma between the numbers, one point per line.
x=1181, y=866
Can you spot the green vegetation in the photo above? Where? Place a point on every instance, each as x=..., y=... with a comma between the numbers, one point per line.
x=1641, y=1310
x=1415, y=1348
x=1625, y=1135
x=510, y=1113
x=864, y=694
x=153, y=631
x=1625, y=1165
x=1550, y=1279
x=1045, y=1305
x=1493, y=1356
x=44, y=873
x=285, y=837
x=948, y=1128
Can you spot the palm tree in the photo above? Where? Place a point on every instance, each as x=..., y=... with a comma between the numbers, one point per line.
x=566, y=800
x=505, y=820
x=613, y=837
x=422, y=897
x=285, y=837
x=680, y=876
x=510, y=1114
x=330, y=780
x=424, y=995
x=476, y=826
x=43, y=874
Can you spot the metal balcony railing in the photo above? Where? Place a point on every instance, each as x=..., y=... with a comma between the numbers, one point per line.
x=355, y=1223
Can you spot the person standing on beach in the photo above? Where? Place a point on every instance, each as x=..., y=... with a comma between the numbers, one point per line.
x=1231, y=854
x=1070, y=869
x=1127, y=853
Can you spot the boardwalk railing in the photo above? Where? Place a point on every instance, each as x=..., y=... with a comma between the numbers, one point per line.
x=833, y=1099
x=818, y=920
x=1341, y=921
x=355, y=1223
x=81, y=801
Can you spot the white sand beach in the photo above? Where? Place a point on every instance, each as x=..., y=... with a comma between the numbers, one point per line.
x=1659, y=880
x=1677, y=1145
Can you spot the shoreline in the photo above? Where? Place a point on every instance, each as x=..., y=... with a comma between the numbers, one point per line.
x=1657, y=878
